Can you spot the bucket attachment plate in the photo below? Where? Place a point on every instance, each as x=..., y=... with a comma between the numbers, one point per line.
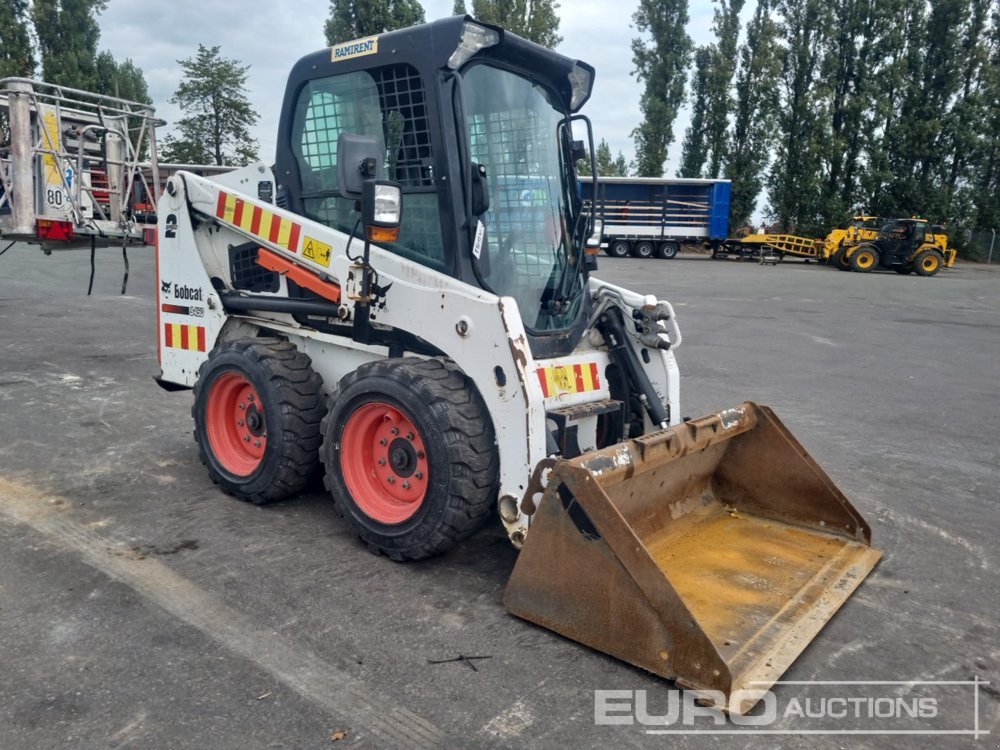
x=710, y=553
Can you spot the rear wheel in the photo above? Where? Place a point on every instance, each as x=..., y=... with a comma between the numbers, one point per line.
x=642, y=249
x=619, y=248
x=667, y=250
x=257, y=413
x=928, y=262
x=864, y=259
x=410, y=456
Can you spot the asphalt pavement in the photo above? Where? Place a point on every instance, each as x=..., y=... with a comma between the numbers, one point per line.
x=142, y=608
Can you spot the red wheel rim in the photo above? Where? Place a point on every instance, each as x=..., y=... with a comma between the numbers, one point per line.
x=234, y=421
x=384, y=462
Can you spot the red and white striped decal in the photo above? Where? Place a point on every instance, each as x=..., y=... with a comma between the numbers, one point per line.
x=258, y=221
x=181, y=336
x=559, y=379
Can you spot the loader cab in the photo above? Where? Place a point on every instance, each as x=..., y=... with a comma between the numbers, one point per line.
x=477, y=126
x=898, y=240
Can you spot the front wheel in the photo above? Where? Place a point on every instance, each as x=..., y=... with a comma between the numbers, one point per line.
x=257, y=413
x=864, y=259
x=410, y=456
x=928, y=262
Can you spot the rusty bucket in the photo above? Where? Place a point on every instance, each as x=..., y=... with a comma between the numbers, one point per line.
x=710, y=553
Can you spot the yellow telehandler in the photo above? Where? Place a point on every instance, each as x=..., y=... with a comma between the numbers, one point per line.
x=904, y=245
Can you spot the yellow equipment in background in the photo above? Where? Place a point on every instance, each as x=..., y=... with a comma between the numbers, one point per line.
x=905, y=246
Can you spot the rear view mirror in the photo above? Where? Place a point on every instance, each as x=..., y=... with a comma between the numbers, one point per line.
x=359, y=158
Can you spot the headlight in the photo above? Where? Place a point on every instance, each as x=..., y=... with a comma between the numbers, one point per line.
x=580, y=83
x=474, y=38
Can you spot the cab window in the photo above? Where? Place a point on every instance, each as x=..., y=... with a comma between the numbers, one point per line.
x=387, y=102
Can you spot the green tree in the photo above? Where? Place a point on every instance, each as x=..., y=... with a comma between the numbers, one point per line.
x=893, y=94
x=694, y=152
x=607, y=165
x=458, y=9
x=124, y=80
x=352, y=19
x=16, y=56
x=984, y=178
x=754, y=113
x=962, y=127
x=67, y=33
x=794, y=182
x=218, y=115
x=533, y=19
x=849, y=62
x=661, y=64
x=718, y=83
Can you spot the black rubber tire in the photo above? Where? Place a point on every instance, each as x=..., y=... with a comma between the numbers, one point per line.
x=619, y=248
x=861, y=256
x=922, y=266
x=841, y=261
x=667, y=250
x=293, y=409
x=642, y=249
x=464, y=465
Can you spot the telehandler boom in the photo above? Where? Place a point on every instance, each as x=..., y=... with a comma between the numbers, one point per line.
x=457, y=355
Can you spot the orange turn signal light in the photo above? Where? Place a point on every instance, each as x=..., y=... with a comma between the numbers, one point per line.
x=383, y=234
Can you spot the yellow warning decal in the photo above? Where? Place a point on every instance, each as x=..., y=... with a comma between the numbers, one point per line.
x=316, y=251
x=356, y=48
x=557, y=380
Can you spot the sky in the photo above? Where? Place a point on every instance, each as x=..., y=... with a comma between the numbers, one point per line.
x=270, y=36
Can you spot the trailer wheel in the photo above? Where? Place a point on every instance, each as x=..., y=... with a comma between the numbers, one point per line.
x=642, y=249
x=928, y=262
x=410, y=456
x=619, y=248
x=864, y=259
x=667, y=250
x=257, y=412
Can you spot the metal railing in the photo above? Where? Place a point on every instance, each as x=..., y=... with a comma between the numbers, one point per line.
x=74, y=156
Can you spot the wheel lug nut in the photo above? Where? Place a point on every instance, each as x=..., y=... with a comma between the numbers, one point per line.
x=383, y=441
x=419, y=475
x=394, y=430
x=239, y=422
x=420, y=454
x=390, y=479
x=246, y=438
x=406, y=485
x=409, y=436
x=256, y=443
x=381, y=462
x=242, y=406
